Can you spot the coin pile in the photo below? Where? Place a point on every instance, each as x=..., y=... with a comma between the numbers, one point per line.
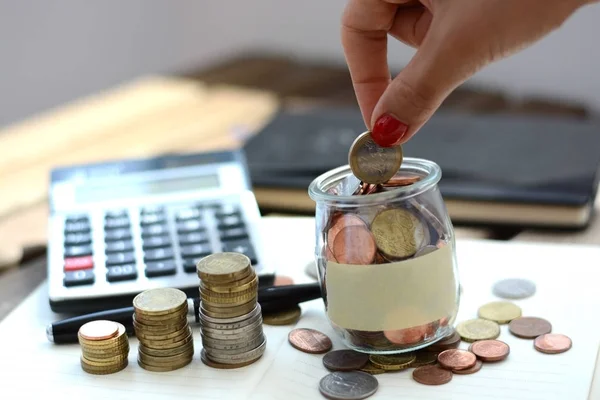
x=161, y=325
x=230, y=316
x=104, y=347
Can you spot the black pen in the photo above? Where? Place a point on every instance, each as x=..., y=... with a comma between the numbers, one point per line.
x=271, y=299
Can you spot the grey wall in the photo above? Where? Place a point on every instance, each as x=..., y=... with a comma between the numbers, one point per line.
x=53, y=51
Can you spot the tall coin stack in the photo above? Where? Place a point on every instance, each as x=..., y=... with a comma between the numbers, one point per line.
x=161, y=325
x=104, y=347
x=231, y=319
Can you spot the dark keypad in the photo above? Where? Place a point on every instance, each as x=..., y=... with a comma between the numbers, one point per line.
x=121, y=273
x=196, y=250
x=233, y=234
x=149, y=219
x=117, y=234
x=120, y=258
x=77, y=278
x=75, y=239
x=154, y=242
x=189, y=264
x=153, y=210
x=241, y=246
x=230, y=221
x=77, y=218
x=77, y=227
x=119, y=246
x=188, y=213
x=77, y=251
x=190, y=226
x=158, y=254
x=115, y=214
x=193, y=238
x=154, y=230
x=160, y=268
x=115, y=223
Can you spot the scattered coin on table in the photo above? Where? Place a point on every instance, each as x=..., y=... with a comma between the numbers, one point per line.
x=395, y=362
x=478, y=329
x=552, y=343
x=475, y=368
x=286, y=317
x=455, y=359
x=345, y=360
x=514, y=288
x=310, y=340
x=490, y=350
x=529, y=327
x=354, y=385
x=501, y=312
x=432, y=375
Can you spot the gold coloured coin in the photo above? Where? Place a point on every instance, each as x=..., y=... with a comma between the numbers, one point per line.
x=113, y=341
x=371, y=163
x=168, y=368
x=166, y=320
x=372, y=369
x=166, y=352
x=165, y=360
x=181, y=335
x=501, y=312
x=478, y=329
x=90, y=369
x=228, y=301
x=223, y=267
x=224, y=312
x=172, y=335
x=160, y=301
x=248, y=283
x=399, y=233
x=287, y=317
x=212, y=364
x=393, y=362
x=92, y=353
x=99, y=330
x=103, y=363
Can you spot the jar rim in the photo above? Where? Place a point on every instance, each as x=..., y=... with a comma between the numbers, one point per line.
x=432, y=172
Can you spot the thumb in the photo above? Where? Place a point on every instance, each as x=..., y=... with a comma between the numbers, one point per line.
x=419, y=89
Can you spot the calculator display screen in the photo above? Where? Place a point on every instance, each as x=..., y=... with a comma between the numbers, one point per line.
x=122, y=190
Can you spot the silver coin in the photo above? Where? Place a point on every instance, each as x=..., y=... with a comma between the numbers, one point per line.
x=238, y=336
x=350, y=385
x=231, y=332
x=371, y=163
x=514, y=288
x=234, y=325
x=228, y=344
x=255, y=310
x=241, y=349
x=242, y=357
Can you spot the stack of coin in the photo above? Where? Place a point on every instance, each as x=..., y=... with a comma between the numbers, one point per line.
x=231, y=320
x=104, y=347
x=160, y=322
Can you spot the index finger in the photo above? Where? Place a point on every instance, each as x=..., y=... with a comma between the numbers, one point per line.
x=365, y=24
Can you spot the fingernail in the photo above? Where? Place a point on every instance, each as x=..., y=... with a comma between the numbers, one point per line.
x=388, y=131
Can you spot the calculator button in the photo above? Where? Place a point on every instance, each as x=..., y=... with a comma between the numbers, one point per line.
x=76, y=251
x=119, y=246
x=74, y=239
x=154, y=242
x=121, y=273
x=188, y=213
x=158, y=254
x=81, y=277
x=117, y=234
x=115, y=214
x=77, y=218
x=115, y=223
x=189, y=264
x=227, y=209
x=230, y=221
x=154, y=230
x=153, y=210
x=150, y=219
x=190, y=226
x=120, y=258
x=233, y=234
x=197, y=250
x=241, y=246
x=77, y=263
x=77, y=227
x=160, y=268
x=193, y=238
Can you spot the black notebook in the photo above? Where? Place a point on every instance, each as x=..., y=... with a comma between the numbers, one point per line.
x=496, y=169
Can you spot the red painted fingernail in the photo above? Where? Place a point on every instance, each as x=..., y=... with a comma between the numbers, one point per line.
x=388, y=131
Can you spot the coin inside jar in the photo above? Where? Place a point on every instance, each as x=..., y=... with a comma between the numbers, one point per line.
x=354, y=245
x=339, y=222
x=399, y=233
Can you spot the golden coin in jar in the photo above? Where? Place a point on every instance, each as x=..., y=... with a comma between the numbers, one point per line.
x=399, y=233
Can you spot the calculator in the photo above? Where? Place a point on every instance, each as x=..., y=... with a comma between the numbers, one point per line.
x=119, y=228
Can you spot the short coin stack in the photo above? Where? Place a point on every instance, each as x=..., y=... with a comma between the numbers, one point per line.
x=104, y=347
x=160, y=322
x=231, y=320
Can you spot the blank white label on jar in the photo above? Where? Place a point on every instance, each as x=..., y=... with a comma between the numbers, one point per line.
x=392, y=296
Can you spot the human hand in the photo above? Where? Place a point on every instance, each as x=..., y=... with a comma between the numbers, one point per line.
x=454, y=38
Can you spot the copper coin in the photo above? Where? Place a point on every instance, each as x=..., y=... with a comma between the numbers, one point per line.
x=472, y=370
x=345, y=360
x=432, y=375
x=456, y=359
x=339, y=222
x=490, y=350
x=99, y=330
x=355, y=245
x=552, y=343
x=309, y=340
x=400, y=180
x=449, y=342
x=529, y=327
x=406, y=336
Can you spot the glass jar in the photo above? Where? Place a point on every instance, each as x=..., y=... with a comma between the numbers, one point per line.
x=386, y=260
